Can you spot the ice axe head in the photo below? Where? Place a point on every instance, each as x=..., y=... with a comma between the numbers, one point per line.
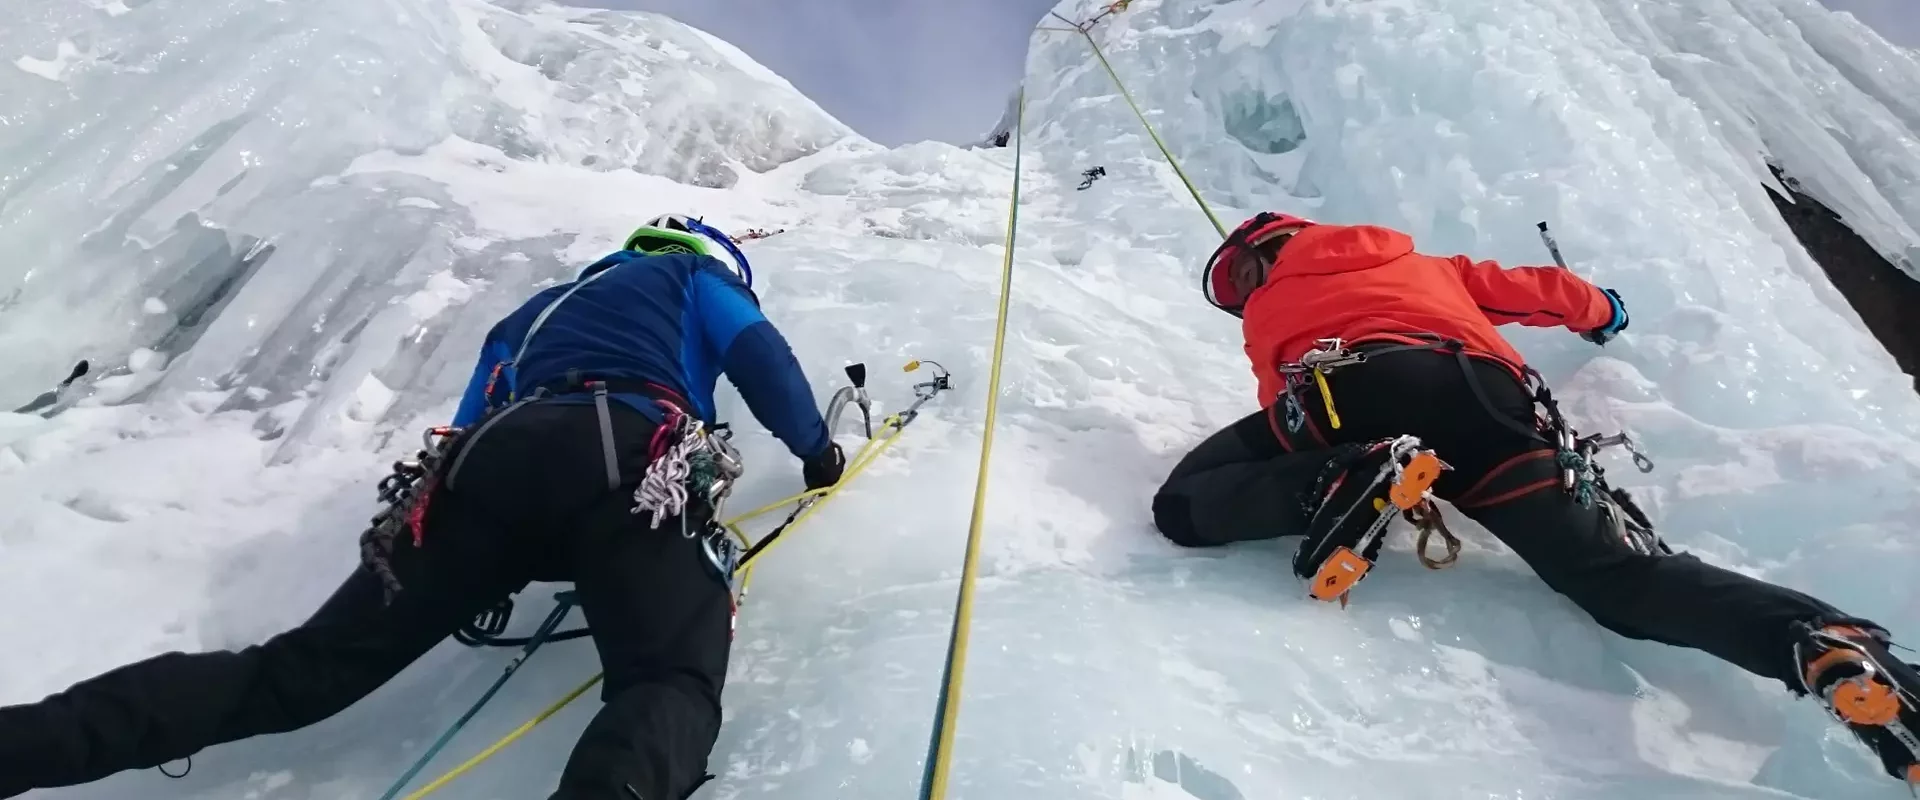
x=857, y=373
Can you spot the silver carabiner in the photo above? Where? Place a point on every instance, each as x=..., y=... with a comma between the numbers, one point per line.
x=1640, y=460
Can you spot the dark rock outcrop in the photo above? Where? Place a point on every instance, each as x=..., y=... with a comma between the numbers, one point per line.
x=1886, y=297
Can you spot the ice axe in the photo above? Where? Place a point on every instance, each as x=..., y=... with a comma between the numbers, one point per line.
x=1597, y=337
x=1553, y=246
x=52, y=396
x=855, y=394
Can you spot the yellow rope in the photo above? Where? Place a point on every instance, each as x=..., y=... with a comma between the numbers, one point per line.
x=1084, y=30
x=870, y=452
x=939, y=756
x=504, y=741
x=1326, y=396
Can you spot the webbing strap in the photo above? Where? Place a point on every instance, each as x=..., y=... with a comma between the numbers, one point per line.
x=473, y=439
x=541, y=320
x=1460, y=354
x=608, y=451
x=1480, y=393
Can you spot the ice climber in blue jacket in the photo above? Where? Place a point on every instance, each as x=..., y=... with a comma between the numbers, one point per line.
x=585, y=401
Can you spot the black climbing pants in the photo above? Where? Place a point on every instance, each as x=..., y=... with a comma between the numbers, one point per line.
x=1239, y=485
x=1246, y=480
x=530, y=502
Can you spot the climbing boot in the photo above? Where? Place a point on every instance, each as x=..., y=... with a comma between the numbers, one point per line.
x=1847, y=667
x=1348, y=512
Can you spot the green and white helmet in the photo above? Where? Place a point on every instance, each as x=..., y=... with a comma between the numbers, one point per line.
x=680, y=233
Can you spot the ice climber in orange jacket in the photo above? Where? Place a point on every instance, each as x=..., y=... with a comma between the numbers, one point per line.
x=1384, y=383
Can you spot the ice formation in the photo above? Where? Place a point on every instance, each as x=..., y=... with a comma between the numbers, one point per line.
x=278, y=230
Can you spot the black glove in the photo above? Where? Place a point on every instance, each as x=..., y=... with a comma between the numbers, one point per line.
x=1614, y=326
x=824, y=470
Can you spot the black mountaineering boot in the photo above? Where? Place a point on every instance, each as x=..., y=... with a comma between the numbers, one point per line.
x=1846, y=665
x=1357, y=496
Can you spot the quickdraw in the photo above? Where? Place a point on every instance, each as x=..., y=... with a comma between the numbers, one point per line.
x=405, y=493
x=687, y=460
x=1327, y=356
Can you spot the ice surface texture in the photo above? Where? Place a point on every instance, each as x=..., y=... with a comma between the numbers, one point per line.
x=193, y=153
x=283, y=227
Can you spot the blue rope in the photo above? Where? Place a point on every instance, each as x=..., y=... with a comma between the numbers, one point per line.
x=566, y=601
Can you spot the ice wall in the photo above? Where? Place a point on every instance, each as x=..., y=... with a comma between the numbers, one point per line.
x=372, y=236
x=1786, y=432
x=170, y=173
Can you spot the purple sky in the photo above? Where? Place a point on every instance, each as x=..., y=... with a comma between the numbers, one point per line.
x=905, y=70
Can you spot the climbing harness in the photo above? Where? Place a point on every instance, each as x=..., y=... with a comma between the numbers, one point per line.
x=406, y=492
x=699, y=454
x=731, y=556
x=1088, y=177
x=740, y=573
x=1581, y=475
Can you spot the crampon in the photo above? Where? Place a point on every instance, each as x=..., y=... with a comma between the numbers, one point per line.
x=1848, y=668
x=1353, y=506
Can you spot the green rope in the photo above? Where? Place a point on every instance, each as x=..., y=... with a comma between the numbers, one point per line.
x=702, y=471
x=1128, y=96
x=1583, y=483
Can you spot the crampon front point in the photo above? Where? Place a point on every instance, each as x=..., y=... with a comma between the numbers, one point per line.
x=1408, y=475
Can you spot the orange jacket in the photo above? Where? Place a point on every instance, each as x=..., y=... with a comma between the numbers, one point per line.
x=1361, y=282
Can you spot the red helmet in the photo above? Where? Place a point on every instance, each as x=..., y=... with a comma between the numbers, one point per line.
x=1242, y=262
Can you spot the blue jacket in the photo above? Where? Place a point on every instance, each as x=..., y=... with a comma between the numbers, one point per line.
x=676, y=320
